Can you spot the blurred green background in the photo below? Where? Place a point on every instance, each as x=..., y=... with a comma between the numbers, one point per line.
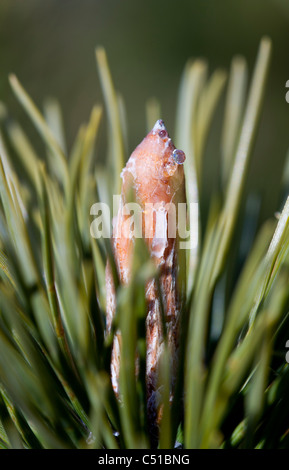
x=49, y=45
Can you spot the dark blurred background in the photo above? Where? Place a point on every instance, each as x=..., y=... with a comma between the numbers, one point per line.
x=50, y=44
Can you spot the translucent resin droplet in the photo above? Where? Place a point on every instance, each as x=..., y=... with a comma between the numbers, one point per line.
x=163, y=133
x=179, y=156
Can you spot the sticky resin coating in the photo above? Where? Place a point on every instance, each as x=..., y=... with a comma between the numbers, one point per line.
x=155, y=172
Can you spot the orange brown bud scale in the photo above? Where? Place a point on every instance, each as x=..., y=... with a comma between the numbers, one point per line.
x=156, y=174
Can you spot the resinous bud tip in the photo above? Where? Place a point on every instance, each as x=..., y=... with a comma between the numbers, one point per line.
x=159, y=126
